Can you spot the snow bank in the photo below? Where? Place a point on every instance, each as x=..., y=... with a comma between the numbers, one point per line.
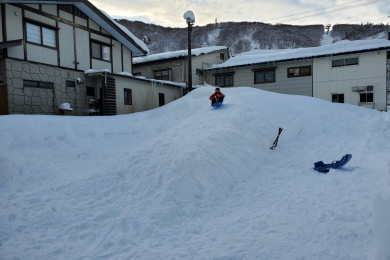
x=186, y=181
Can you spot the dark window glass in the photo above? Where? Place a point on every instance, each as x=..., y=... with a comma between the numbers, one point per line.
x=352, y=61
x=128, y=96
x=220, y=80
x=31, y=84
x=38, y=84
x=337, y=63
x=366, y=97
x=338, y=98
x=345, y=62
x=388, y=55
x=161, y=99
x=91, y=91
x=71, y=83
x=305, y=71
x=161, y=74
x=225, y=80
x=49, y=85
x=222, y=56
x=96, y=50
x=264, y=76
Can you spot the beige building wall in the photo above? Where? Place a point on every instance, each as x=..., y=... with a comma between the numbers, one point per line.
x=244, y=76
x=145, y=94
x=14, y=28
x=371, y=70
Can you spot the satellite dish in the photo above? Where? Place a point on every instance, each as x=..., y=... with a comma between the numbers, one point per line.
x=189, y=16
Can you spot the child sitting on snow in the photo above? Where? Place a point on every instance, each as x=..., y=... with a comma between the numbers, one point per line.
x=217, y=97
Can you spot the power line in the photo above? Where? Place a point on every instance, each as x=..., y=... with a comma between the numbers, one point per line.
x=316, y=12
x=310, y=11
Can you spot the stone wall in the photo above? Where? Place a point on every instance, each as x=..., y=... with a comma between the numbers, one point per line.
x=35, y=100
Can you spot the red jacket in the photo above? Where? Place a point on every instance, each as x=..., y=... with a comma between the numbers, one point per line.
x=216, y=94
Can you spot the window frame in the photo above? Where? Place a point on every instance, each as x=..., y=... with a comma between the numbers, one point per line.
x=42, y=28
x=337, y=99
x=38, y=84
x=366, y=96
x=101, y=46
x=70, y=84
x=128, y=97
x=226, y=83
x=299, y=72
x=162, y=77
x=255, y=72
x=345, y=62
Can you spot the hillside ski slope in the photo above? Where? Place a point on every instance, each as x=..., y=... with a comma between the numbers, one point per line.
x=186, y=181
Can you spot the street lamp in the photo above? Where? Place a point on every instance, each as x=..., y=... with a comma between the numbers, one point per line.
x=190, y=18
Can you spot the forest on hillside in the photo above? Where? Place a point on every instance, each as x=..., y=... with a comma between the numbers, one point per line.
x=247, y=36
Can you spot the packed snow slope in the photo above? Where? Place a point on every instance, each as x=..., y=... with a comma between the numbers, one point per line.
x=186, y=181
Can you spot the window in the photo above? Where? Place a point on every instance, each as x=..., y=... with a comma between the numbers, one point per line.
x=338, y=98
x=224, y=80
x=128, y=97
x=161, y=99
x=388, y=55
x=70, y=83
x=345, y=62
x=222, y=56
x=264, y=76
x=161, y=74
x=299, y=72
x=41, y=35
x=368, y=95
x=38, y=84
x=101, y=51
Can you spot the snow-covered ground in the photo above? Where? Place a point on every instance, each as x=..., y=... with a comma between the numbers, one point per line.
x=186, y=181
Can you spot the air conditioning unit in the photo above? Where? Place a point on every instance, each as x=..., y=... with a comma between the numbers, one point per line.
x=358, y=88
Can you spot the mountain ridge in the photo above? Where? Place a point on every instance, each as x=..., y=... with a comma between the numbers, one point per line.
x=247, y=36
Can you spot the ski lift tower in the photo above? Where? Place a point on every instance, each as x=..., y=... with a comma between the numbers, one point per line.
x=190, y=18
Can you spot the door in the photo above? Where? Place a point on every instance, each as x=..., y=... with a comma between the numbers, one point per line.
x=3, y=100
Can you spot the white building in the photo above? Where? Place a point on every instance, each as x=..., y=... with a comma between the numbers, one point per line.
x=47, y=46
x=354, y=72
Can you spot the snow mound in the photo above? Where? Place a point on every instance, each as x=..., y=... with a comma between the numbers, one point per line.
x=187, y=181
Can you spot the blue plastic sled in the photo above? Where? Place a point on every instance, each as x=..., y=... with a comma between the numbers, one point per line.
x=218, y=104
x=324, y=168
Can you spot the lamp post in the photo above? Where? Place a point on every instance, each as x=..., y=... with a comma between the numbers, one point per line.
x=190, y=18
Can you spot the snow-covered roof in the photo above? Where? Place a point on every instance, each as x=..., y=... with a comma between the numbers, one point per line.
x=118, y=31
x=261, y=56
x=128, y=74
x=176, y=54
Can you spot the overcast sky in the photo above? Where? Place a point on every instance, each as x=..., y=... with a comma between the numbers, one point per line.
x=170, y=12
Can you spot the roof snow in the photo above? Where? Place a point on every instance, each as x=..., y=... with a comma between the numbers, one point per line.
x=260, y=56
x=126, y=31
x=176, y=54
